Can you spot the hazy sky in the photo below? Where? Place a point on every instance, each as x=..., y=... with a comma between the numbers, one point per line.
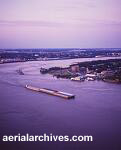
x=60, y=23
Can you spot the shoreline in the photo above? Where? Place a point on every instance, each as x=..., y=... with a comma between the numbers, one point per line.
x=64, y=63
x=72, y=60
x=111, y=81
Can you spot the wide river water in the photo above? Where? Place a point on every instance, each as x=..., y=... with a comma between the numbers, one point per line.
x=96, y=109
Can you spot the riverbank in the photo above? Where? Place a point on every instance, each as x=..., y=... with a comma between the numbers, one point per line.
x=105, y=70
x=63, y=62
x=33, y=67
x=112, y=81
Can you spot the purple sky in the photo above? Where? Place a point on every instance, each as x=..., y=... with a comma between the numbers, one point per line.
x=60, y=23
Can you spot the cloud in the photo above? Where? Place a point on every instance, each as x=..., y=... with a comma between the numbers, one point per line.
x=30, y=23
x=80, y=23
x=98, y=22
x=88, y=3
x=76, y=4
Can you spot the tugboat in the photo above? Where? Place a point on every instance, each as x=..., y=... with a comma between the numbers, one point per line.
x=20, y=72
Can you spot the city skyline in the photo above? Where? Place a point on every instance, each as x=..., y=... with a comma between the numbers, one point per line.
x=57, y=24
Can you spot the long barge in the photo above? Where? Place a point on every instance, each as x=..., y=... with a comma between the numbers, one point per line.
x=51, y=92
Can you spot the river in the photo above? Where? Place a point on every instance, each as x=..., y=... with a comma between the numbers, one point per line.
x=96, y=109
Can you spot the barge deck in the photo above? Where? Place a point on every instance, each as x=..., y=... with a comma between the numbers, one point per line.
x=51, y=92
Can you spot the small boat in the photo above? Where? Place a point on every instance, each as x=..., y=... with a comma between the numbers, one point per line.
x=77, y=79
x=90, y=79
x=20, y=72
x=51, y=92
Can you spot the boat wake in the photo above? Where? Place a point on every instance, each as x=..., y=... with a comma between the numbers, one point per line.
x=12, y=84
x=95, y=89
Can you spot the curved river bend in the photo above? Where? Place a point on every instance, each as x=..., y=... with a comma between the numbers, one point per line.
x=96, y=109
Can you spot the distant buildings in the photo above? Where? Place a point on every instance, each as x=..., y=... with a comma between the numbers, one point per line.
x=53, y=54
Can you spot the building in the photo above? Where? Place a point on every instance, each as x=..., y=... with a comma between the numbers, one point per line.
x=75, y=68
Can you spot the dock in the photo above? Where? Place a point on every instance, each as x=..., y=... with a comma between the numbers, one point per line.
x=51, y=92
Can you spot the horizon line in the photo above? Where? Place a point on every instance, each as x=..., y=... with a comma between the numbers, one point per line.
x=62, y=48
